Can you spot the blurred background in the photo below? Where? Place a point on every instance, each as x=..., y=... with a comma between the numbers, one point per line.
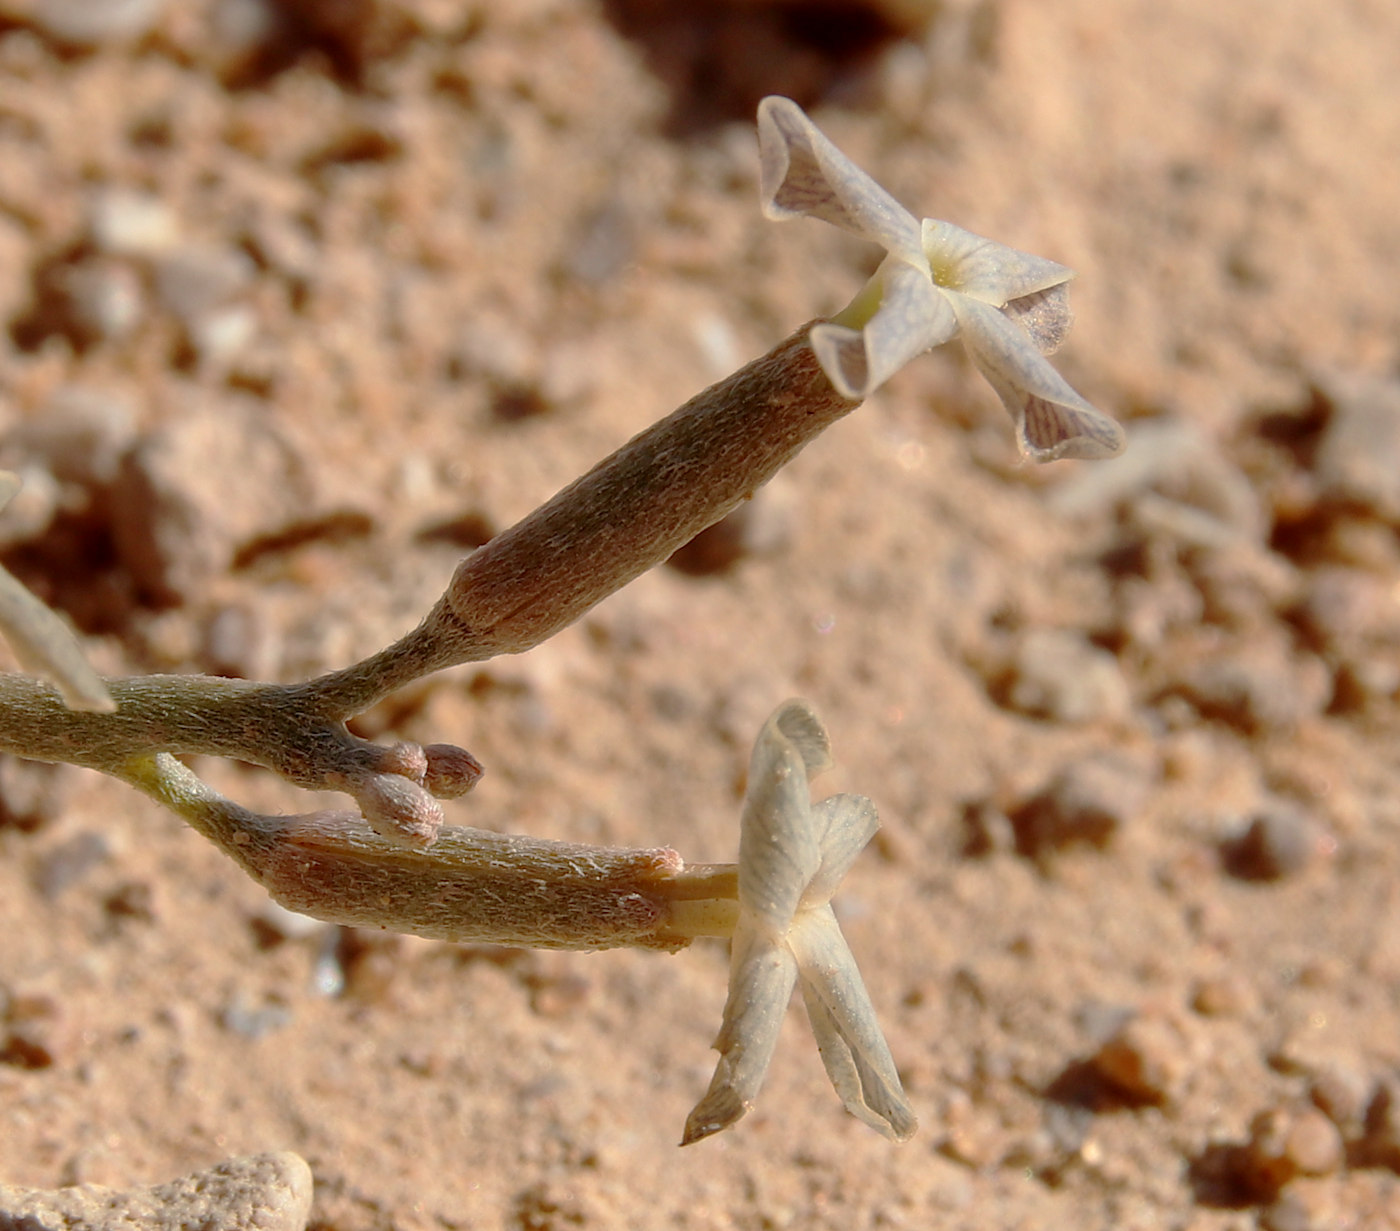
x=300, y=300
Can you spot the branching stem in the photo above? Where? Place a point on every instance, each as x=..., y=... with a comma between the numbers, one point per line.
x=626, y=515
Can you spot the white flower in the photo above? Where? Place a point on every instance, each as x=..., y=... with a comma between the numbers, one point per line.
x=792, y=855
x=936, y=282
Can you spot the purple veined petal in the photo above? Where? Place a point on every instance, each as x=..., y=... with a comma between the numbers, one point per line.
x=912, y=317
x=1052, y=420
x=762, y=975
x=985, y=269
x=844, y=825
x=1045, y=315
x=802, y=174
x=778, y=852
x=798, y=722
x=852, y=1046
x=861, y=1089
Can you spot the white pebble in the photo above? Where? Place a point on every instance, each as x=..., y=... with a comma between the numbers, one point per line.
x=132, y=224
x=87, y=23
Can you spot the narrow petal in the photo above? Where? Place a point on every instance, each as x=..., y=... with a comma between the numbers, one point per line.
x=761, y=978
x=861, y=1089
x=1052, y=420
x=1045, y=315
x=852, y=1046
x=45, y=645
x=778, y=852
x=802, y=174
x=985, y=269
x=911, y=318
x=844, y=825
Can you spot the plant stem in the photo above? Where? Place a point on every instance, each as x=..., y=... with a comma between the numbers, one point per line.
x=625, y=516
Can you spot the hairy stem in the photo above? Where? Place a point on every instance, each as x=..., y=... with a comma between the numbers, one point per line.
x=469, y=886
x=626, y=515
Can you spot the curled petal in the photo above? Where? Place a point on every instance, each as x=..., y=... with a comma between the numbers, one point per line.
x=778, y=852
x=843, y=825
x=798, y=722
x=1045, y=315
x=1052, y=420
x=985, y=269
x=852, y=1046
x=912, y=317
x=761, y=978
x=802, y=174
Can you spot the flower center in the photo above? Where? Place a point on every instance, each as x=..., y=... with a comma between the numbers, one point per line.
x=945, y=271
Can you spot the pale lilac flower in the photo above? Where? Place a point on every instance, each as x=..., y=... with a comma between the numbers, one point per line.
x=937, y=281
x=792, y=855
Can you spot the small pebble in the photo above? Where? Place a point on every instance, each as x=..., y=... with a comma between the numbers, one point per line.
x=507, y=363
x=254, y=1022
x=131, y=224
x=70, y=862
x=987, y=830
x=1145, y=1060
x=603, y=243
x=1088, y=802
x=274, y=924
x=1358, y=458
x=371, y=963
x=360, y=31
x=558, y=994
x=1058, y=675
x=1346, y=605
x=243, y=34
x=1286, y=1142
x=1280, y=841
x=31, y=510
x=32, y=793
x=1342, y=1093
x=134, y=900
x=1259, y=686
x=758, y=527
x=89, y=23
x=1223, y=996
x=37, y=1033
x=1288, y=1213
x=219, y=337
x=178, y=521
x=1169, y=463
x=258, y=1192
x=240, y=642
x=1380, y=1146
x=80, y=435
x=102, y=300
x=193, y=278
x=972, y=1136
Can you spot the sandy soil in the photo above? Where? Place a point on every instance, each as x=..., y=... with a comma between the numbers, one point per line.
x=1133, y=922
